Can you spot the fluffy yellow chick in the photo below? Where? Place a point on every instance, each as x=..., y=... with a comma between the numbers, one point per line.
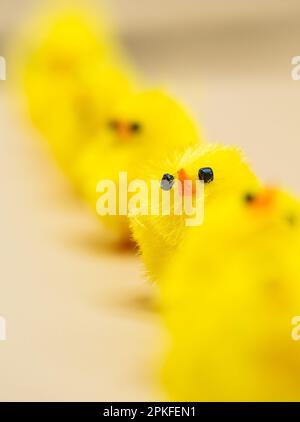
x=143, y=127
x=224, y=173
x=73, y=77
x=229, y=298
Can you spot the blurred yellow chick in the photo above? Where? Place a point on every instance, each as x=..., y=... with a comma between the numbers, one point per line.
x=143, y=127
x=73, y=76
x=229, y=298
x=222, y=170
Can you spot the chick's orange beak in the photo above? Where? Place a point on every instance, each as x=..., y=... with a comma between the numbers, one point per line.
x=186, y=188
x=265, y=200
x=123, y=130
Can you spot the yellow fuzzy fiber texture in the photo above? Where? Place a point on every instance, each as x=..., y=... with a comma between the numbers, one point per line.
x=159, y=236
x=73, y=74
x=85, y=99
x=229, y=296
x=163, y=126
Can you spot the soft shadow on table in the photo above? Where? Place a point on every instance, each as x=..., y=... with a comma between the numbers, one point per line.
x=98, y=243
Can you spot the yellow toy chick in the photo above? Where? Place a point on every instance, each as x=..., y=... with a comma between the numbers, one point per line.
x=229, y=298
x=223, y=171
x=143, y=127
x=73, y=76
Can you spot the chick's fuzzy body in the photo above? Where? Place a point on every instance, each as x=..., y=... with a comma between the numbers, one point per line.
x=229, y=297
x=73, y=76
x=158, y=236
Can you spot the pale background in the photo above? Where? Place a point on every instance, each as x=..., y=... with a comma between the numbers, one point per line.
x=80, y=323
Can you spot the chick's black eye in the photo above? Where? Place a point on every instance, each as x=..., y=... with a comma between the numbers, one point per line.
x=135, y=127
x=167, y=181
x=249, y=197
x=206, y=174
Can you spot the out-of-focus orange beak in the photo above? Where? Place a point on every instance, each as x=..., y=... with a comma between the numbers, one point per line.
x=265, y=201
x=123, y=130
x=186, y=188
